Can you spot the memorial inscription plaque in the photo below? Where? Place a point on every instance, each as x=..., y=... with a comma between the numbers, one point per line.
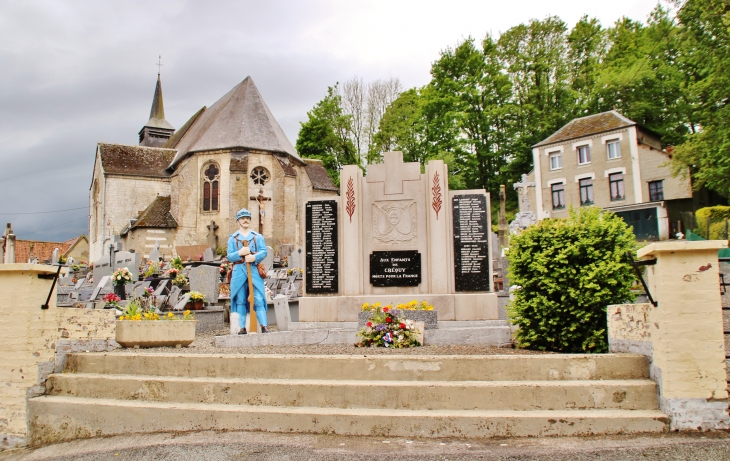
x=471, y=244
x=395, y=268
x=322, y=262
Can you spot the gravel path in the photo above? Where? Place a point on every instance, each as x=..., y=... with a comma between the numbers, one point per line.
x=213, y=446
x=204, y=344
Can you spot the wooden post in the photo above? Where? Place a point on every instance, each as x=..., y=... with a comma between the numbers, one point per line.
x=252, y=326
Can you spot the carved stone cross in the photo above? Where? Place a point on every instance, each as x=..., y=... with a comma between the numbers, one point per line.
x=521, y=188
x=393, y=172
x=260, y=199
x=212, y=237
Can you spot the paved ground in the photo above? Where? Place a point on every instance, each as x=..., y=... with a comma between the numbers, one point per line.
x=212, y=446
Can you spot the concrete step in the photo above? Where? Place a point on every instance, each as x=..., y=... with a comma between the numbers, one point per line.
x=543, y=367
x=296, y=326
x=414, y=395
x=496, y=336
x=54, y=419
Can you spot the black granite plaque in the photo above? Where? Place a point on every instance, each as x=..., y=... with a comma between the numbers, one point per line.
x=395, y=268
x=322, y=263
x=471, y=244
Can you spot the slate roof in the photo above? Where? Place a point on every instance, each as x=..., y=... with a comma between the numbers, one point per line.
x=287, y=167
x=175, y=138
x=240, y=119
x=157, y=214
x=135, y=160
x=318, y=175
x=157, y=112
x=239, y=163
x=586, y=126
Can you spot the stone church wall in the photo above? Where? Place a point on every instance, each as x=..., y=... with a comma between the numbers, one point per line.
x=96, y=207
x=142, y=240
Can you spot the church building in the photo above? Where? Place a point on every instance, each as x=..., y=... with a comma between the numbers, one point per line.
x=183, y=187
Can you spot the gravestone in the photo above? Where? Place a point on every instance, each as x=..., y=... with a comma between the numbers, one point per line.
x=67, y=278
x=174, y=295
x=524, y=218
x=54, y=257
x=140, y=288
x=269, y=259
x=471, y=242
x=208, y=255
x=121, y=259
x=182, y=302
x=206, y=280
x=295, y=259
x=155, y=253
x=212, y=236
x=102, y=283
x=281, y=310
x=161, y=288
x=322, y=263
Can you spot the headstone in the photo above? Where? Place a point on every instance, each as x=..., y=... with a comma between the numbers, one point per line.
x=522, y=191
x=281, y=310
x=212, y=237
x=206, y=280
x=155, y=253
x=502, y=226
x=79, y=283
x=471, y=242
x=524, y=218
x=182, y=302
x=102, y=283
x=121, y=259
x=295, y=259
x=269, y=259
x=208, y=255
x=54, y=257
x=395, y=268
x=161, y=288
x=174, y=295
x=67, y=278
x=139, y=288
x=322, y=250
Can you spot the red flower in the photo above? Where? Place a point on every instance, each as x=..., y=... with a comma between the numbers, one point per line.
x=369, y=324
x=386, y=309
x=402, y=326
x=389, y=320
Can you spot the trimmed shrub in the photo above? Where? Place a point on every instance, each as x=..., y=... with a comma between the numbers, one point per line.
x=569, y=270
x=717, y=216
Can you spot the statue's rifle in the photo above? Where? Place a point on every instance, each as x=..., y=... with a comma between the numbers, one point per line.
x=252, y=327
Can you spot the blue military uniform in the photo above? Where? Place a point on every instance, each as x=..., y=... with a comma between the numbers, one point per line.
x=239, y=278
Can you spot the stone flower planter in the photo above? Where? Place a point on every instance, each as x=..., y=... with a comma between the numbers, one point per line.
x=155, y=333
x=429, y=318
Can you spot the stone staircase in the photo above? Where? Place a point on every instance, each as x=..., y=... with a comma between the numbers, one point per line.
x=383, y=395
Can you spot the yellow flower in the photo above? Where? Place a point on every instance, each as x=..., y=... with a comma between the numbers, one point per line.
x=170, y=315
x=376, y=304
x=187, y=312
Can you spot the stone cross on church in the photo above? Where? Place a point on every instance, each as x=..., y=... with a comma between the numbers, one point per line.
x=393, y=172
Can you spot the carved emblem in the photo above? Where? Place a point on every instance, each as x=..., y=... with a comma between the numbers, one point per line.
x=350, y=208
x=436, y=191
x=394, y=221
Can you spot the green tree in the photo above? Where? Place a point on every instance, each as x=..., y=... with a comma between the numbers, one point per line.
x=324, y=136
x=569, y=270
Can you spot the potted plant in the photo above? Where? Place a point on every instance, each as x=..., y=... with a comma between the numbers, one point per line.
x=111, y=301
x=120, y=278
x=140, y=327
x=180, y=281
x=196, y=300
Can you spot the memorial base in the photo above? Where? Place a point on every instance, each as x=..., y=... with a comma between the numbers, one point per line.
x=472, y=306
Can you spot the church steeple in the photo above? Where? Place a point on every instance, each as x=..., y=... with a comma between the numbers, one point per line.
x=157, y=130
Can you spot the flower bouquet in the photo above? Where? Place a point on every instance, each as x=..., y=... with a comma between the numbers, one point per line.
x=388, y=329
x=111, y=301
x=122, y=277
x=173, y=273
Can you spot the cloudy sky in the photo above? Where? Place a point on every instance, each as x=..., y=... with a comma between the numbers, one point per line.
x=74, y=73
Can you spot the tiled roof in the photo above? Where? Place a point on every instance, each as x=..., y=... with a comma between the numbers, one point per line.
x=157, y=214
x=239, y=163
x=41, y=250
x=135, y=160
x=586, y=126
x=318, y=175
x=240, y=119
x=287, y=167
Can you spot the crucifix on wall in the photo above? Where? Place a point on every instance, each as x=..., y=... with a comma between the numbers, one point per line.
x=260, y=199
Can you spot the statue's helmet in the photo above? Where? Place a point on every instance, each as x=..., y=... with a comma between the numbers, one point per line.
x=243, y=213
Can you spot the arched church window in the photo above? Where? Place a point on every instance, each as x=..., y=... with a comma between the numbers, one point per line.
x=260, y=176
x=211, y=188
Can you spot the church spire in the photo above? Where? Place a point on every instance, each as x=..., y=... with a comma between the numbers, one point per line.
x=157, y=130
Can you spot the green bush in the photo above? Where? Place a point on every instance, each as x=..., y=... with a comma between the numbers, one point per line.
x=569, y=270
x=717, y=216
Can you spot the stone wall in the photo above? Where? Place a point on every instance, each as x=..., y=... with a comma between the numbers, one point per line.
x=629, y=328
x=28, y=341
x=142, y=240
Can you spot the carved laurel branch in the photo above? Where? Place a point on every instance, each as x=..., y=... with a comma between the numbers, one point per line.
x=436, y=190
x=350, y=198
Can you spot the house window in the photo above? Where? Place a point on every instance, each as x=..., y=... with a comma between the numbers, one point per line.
x=616, y=185
x=656, y=191
x=211, y=188
x=613, y=149
x=586, y=191
x=584, y=155
x=556, y=161
x=558, y=191
x=260, y=176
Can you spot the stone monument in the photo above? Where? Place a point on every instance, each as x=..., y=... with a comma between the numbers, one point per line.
x=524, y=218
x=397, y=235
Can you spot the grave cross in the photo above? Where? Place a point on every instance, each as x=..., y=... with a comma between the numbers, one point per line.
x=212, y=237
x=393, y=172
x=260, y=199
x=521, y=188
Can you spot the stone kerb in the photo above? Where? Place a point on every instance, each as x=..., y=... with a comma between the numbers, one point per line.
x=30, y=338
x=685, y=333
